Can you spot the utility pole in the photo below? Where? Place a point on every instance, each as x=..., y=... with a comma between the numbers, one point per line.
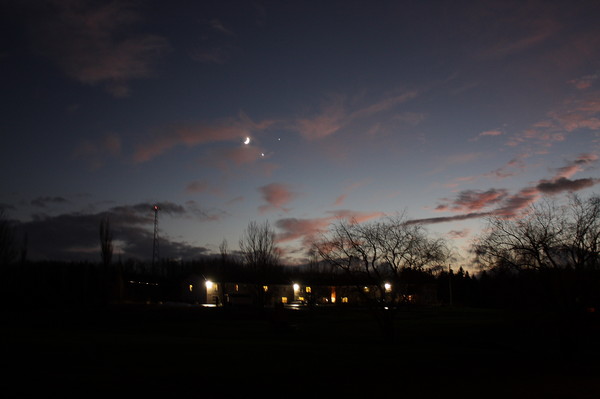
x=155, y=254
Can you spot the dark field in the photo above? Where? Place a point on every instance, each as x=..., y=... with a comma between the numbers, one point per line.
x=221, y=353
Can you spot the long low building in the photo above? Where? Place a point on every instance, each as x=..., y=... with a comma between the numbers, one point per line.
x=214, y=293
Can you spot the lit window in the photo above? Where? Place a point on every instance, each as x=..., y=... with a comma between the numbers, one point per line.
x=366, y=289
x=191, y=287
x=301, y=298
x=284, y=299
x=345, y=299
x=308, y=290
x=216, y=287
x=265, y=288
x=237, y=288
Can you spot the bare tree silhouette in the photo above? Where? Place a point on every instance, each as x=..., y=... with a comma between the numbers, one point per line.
x=260, y=255
x=8, y=247
x=106, y=241
x=223, y=249
x=374, y=256
x=546, y=236
x=556, y=244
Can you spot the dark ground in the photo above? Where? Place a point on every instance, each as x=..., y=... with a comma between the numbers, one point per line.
x=167, y=350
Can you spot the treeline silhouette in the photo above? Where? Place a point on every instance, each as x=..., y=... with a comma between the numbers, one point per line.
x=53, y=284
x=548, y=257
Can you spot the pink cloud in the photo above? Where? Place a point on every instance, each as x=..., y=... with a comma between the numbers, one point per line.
x=487, y=133
x=307, y=230
x=304, y=229
x=334, y=115
x=577, y=113
x=340, y=200
x=276, y=195
x=517, y=202
x=93, y=43
x=329, y=120
x=512, y=168
x=455, y=182
x=584, y=82
x=576, y=165
x=471, y=200
x=355, y=216
x=190, y=136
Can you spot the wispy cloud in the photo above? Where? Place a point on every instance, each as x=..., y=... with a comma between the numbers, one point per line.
x=336, y=113
x=217, y=43
x=276, y=196
x=94, y=43
x=512, y=168
x=43, y=202
x=473, y=200
x=576, y=113
x=230, y=129
x=306, y=230
x=563, y=184
x=472, y=204
x=339, y=201
x=577, y=165
x=487, y=133
x=584, y=82
x=456, y=159
x=97, y=152
x=529, y=27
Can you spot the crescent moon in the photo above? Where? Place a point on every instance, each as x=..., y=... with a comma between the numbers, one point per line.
x=247, y=141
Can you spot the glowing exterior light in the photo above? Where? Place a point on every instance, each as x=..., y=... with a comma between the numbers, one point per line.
x=296, y=287
x=209, y=284
x=388, y=287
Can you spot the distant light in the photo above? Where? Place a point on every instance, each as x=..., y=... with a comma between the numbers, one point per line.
x=388, y=287
x=156, y=207
x=247, y=141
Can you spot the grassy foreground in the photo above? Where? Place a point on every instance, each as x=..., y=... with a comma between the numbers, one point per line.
x=220, y=353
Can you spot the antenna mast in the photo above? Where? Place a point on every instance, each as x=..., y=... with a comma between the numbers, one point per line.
x=155, y=243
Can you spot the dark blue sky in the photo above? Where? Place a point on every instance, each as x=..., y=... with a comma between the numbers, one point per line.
x=447, y=111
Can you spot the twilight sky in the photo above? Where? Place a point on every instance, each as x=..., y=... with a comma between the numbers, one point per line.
x=445, y=110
